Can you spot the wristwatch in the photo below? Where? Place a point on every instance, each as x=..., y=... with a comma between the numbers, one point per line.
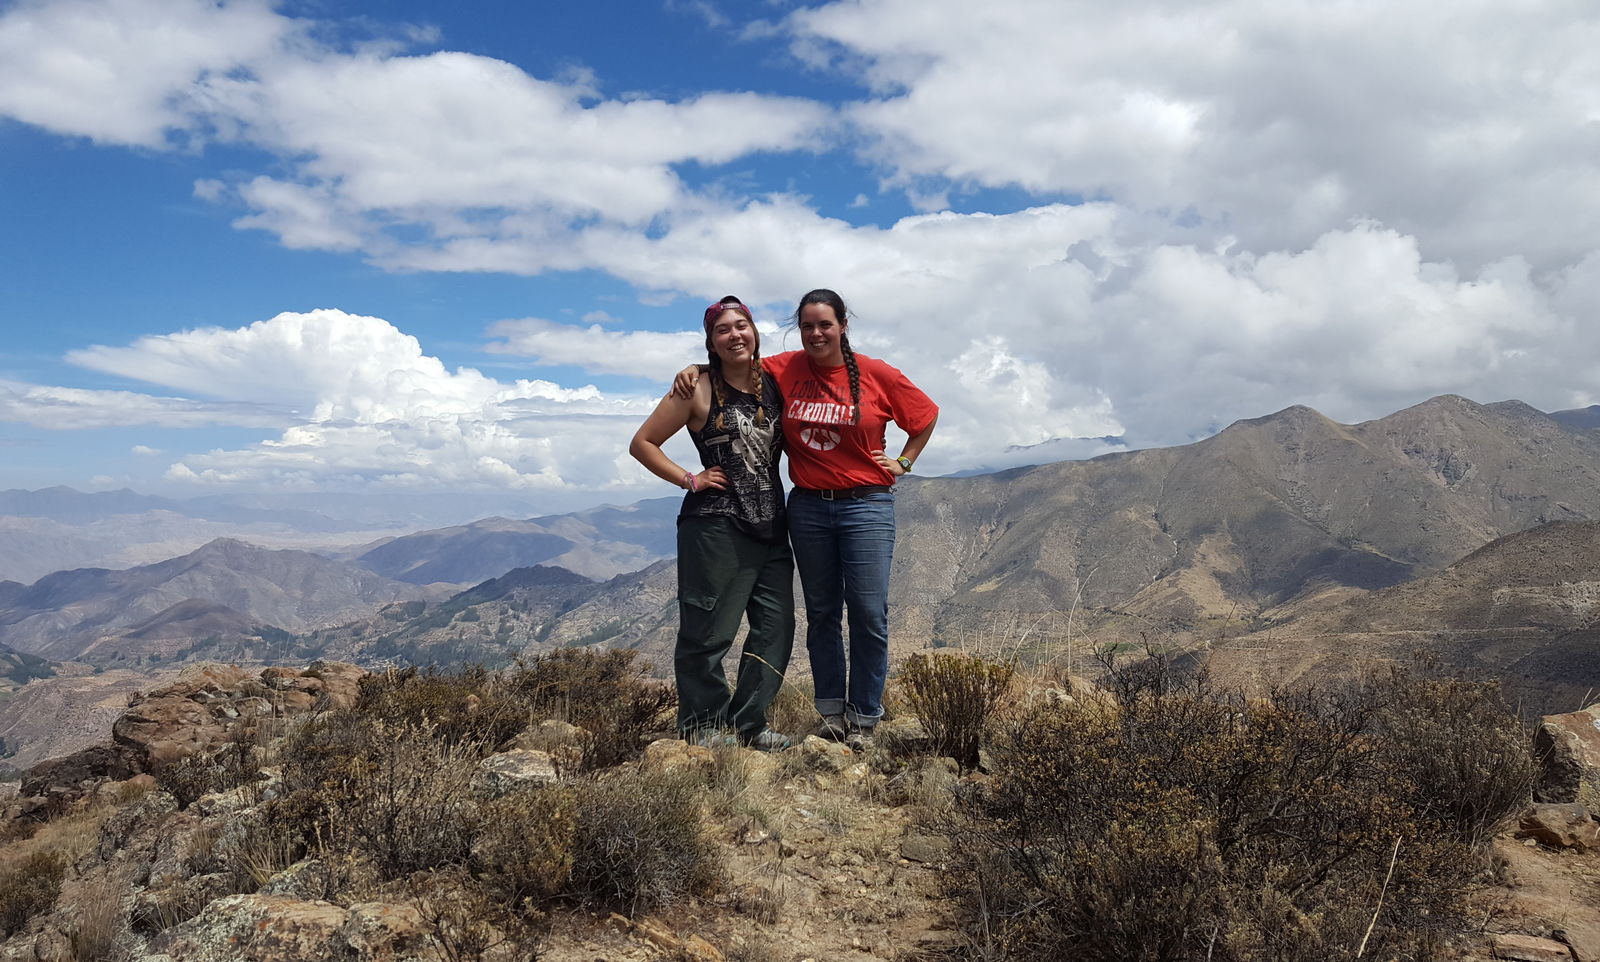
x=905, y=463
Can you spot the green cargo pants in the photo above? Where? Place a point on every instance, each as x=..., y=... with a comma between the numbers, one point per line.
x=724, y=576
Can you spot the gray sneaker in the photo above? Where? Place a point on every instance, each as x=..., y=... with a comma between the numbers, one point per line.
x=833, y=727
x=767, y=740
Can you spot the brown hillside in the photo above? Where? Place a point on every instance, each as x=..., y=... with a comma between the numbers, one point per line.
x=1524, y=608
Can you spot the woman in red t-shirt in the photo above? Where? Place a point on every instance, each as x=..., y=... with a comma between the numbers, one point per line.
x=837, y=404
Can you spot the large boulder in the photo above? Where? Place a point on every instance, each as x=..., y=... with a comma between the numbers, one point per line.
x=341, y=682
x=512, y=771
x=73, y=774
x=163, y=727
x=1568, y=748
x=1559, y=825
x=205, y=678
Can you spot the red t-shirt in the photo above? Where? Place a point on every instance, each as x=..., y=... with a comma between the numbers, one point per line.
x=826, y=450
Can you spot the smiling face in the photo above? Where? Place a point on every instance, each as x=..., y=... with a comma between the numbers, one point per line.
x=734, y=338
x=820, y=330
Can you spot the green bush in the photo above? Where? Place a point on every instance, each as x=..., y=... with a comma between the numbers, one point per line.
x=28, y=888
x=954, y=696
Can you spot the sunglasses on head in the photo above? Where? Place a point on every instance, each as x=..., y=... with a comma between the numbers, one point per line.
x=715, y=311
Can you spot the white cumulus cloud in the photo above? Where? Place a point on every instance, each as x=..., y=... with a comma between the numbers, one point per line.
x=359, y=402
x=1471, y=125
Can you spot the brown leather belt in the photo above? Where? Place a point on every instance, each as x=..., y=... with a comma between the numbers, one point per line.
x=838, y=494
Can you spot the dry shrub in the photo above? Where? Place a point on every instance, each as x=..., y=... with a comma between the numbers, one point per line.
x=1469, y=760
x=524, y=850
x=223, y=769
x=751, y=947
x=471, y=923
x=468, y=703
x=27, y=888
x=399, y=795
x=954, y=696
x=1190, y=826
x=606, y=693
x=640, y=842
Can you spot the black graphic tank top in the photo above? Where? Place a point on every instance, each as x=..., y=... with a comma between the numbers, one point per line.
x=747, y=451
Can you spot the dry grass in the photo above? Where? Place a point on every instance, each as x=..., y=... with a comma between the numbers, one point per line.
x=97, y=935
x=793, y=712
x=71, y=837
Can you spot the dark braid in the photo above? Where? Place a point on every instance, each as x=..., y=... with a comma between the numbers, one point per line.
x=755, y=382
x=716, y=388
x=855, y=377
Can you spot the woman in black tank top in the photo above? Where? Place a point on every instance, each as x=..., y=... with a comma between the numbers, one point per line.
x=733, y=550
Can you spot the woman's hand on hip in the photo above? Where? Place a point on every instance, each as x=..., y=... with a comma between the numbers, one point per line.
x=711, y=478
x=895, y=468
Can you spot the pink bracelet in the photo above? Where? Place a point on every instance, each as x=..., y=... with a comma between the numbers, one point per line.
x=690, y=482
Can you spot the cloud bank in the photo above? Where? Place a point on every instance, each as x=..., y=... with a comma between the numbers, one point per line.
x=1227, y=207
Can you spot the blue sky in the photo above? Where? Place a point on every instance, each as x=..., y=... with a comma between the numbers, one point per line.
x=411, y=247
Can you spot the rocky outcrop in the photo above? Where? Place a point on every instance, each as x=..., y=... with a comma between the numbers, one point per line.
x=203, y=709
x=1568, y=748
x=275, y=928
x=511, y=771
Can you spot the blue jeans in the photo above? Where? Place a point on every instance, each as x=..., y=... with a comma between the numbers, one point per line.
x=842, y=550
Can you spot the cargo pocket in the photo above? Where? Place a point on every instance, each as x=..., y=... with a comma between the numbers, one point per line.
x=697, y=616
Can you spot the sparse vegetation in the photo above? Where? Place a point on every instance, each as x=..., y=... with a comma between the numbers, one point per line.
x=954, y=696
x=27, y=888
x=1152, y=819
x=640, y=843
x=1182, y=823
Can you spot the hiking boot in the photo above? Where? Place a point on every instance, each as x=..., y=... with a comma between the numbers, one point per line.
x=860, y=738
x=833, y=728
x=712, y=738
x=767, y=740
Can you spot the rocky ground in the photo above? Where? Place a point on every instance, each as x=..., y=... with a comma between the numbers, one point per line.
x=829, y=854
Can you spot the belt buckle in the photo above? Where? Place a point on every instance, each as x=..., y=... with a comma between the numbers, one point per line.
x=827, y=494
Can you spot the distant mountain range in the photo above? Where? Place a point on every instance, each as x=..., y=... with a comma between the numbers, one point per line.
x=224, y=589
x=1266, y=511
x=1584, y=419
x=1194, y=542
x=1204, y=539
x=54, y=529
x=600, y=542
x=1284, y=546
